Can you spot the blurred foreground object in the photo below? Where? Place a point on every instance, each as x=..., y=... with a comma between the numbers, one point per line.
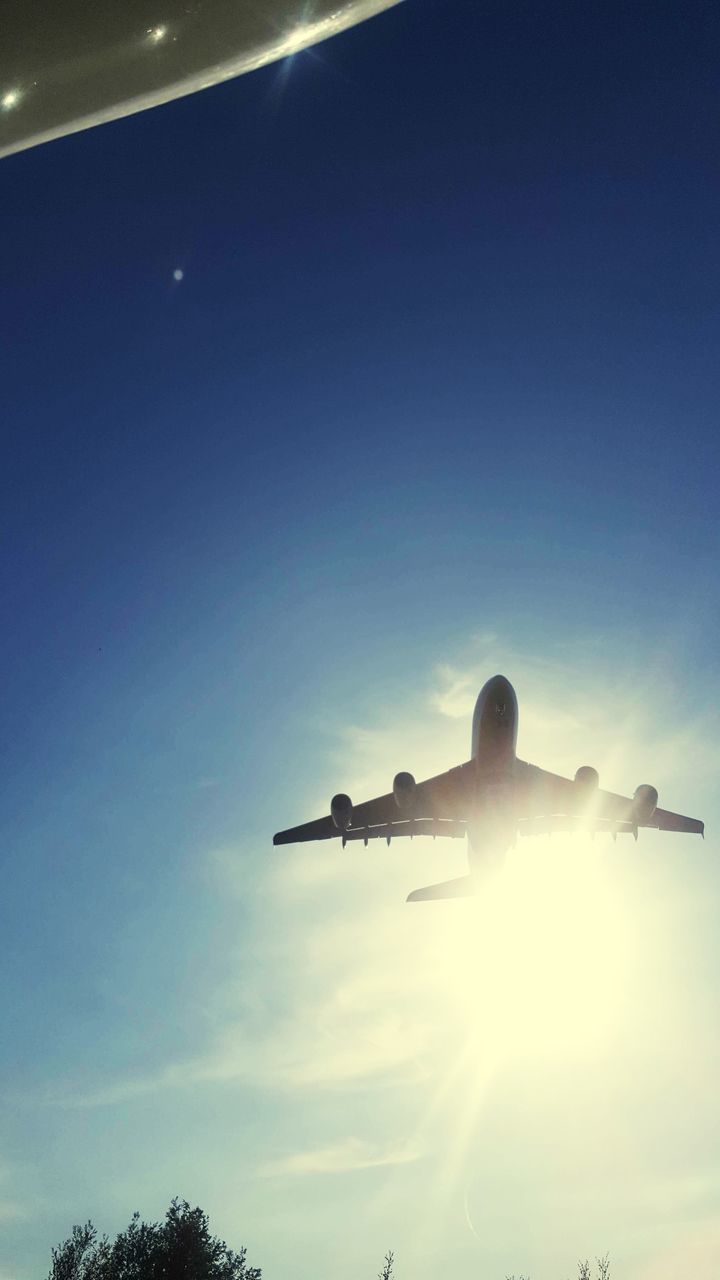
x=67, y=65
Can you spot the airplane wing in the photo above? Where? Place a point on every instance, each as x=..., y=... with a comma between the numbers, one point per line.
x=440, y=807
x=548, y=802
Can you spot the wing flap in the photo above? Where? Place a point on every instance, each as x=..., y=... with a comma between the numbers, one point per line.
x=444, y=798
x=438, y=828
x=664, y=820
x=563, y=822
x=547, y=801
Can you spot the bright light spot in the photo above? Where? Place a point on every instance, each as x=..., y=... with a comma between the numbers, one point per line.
x=178, y=274
x=297, y=39
x=10, y=99
x=535, y=973
x=538, y=965
x=156, y=34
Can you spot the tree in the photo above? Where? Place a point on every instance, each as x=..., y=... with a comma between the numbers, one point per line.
x=603, y=1266
x=180, y=1248
x=584, y=1273
x=72, y=1259
x=387, y=1269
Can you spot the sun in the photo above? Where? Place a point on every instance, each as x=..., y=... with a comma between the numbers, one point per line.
x=537, y=965
x=529, y=977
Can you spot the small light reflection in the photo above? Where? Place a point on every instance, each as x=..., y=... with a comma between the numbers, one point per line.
x=156, y=34
x=178, y=274
x=10, y=99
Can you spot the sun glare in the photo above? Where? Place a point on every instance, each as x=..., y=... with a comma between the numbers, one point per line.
x=533, y=967
x=296, y=40
x=531, y=973
x=527, y=984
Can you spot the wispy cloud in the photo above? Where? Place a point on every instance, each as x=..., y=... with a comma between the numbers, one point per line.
x=587, y=702
x=338, y=1025
x=455, y=691
x=10, y=1211
x=343, y=1157
x=336, y=1043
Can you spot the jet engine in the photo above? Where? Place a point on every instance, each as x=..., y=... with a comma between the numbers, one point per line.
x=341, y=811
x=644, y=803
x=587, y=777
x=403, y=790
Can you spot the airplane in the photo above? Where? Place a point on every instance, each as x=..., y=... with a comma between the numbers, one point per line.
x=491, y=799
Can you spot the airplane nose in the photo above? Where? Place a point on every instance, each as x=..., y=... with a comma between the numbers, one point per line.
x=501, y=688
x=496, y=706
x=502, y=698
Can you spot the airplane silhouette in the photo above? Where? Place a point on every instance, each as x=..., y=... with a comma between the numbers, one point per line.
x=491, y=799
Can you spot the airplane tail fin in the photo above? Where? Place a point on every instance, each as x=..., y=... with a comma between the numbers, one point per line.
x=463, y=887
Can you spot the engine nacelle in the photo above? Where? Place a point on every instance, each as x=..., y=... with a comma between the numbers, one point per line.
x=644, y=803
x=403, y=790
x=587, y=777
x=341, y=811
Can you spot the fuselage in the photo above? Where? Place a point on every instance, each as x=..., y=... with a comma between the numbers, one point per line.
x=492, y=827
x=495, y=728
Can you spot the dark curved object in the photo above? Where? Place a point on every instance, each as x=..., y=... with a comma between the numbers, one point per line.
x=67, y=65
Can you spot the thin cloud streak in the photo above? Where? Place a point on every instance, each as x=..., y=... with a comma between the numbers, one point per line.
x=10, y=1211
x=344, y=1157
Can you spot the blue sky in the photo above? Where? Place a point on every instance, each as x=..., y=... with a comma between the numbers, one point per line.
x=436, y=396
